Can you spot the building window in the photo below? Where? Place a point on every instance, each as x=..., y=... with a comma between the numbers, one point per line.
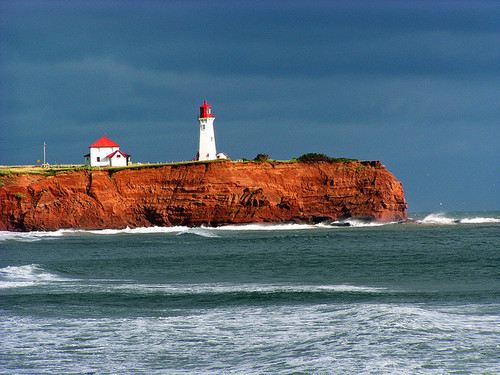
x=98, y=158
x=118, y=156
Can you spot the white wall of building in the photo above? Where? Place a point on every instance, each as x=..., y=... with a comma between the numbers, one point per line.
x=118, y=160
x=98, y=156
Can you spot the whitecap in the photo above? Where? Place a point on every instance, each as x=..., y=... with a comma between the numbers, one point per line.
x=440, y=218
x=41, y=235
x=437, y=218
x=139, y=230
x=352, y=222
x=266, y=227
x=479, y=220
x=32, y=236
x=200, y=231
x=245, y=288
x=361, y=223
x=26, y=275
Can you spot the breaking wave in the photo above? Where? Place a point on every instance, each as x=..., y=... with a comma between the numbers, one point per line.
x=479, y=220
x=27, y=275
x=266, y=227
x=439, y=218
x=248, y=288
x=39, y=235
x=139, y=230
x=359, y=223
x=442, y=218
x=201, y=231
x=31, y=236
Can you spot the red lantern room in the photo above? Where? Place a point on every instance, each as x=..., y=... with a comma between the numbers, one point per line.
x=205, y=110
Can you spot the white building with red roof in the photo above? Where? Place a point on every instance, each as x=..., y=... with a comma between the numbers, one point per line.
x=106, y=153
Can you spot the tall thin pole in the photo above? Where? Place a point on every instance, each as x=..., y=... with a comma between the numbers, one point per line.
x=43, y=153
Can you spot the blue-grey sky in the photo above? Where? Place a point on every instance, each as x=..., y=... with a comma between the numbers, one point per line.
x=415, y=84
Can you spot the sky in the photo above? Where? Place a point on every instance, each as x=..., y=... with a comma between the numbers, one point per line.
x=414, y=84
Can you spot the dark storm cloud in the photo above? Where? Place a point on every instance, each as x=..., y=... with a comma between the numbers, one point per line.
x=406, y=82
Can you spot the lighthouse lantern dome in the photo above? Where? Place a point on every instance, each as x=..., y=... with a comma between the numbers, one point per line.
x=205, y=110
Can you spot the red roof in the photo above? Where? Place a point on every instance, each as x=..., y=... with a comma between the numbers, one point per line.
x=117, y=151
x=104, y=142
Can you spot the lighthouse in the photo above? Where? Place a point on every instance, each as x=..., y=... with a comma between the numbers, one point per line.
x=206, y=148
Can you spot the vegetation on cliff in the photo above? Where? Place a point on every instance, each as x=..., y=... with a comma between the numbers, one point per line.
x=52, y=170
x=314, y=158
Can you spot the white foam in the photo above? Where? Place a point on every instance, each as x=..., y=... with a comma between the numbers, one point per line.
x=245, y=288
x=32, y=236
x=266, y=227
x=479, y=220
x=440, y=218
x=39, y=235
x=297, y=226
x=335, y=338
x=139, y=230
x=437, y=218
x=32, y=274
x=362, y=223
x=201, y=231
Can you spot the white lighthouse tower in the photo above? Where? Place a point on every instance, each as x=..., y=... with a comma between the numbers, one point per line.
x=206, y=149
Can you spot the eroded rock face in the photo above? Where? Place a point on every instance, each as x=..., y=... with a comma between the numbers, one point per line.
x=201, y=193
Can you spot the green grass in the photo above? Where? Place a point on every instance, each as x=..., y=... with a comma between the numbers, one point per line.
x=9, y=171
x=157, y=165
x=39, y=170
x=313, y=157
x=5, y=173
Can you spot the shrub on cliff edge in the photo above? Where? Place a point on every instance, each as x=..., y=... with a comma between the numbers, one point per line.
x=261, y=158
x=314, y=157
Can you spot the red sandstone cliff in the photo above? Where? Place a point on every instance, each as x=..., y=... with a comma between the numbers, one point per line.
x=200, y=193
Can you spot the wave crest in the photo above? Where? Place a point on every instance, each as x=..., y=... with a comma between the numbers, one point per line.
x=32, y=236
x=201, y=231
x=266, y=227
x=479, y=220
x=27, y=275
x=441, y=218
x=437, y=218
x=193, y=289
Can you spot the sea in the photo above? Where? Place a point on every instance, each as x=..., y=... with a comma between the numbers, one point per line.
x=352, y=297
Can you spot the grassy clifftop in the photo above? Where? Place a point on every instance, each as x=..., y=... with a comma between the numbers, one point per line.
x=52, y=170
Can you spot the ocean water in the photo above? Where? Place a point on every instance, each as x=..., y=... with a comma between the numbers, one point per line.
x=413, y=298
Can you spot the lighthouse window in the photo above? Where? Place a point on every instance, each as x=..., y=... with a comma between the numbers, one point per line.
x=98, y=158
x=208, y=110
x=202, y=126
